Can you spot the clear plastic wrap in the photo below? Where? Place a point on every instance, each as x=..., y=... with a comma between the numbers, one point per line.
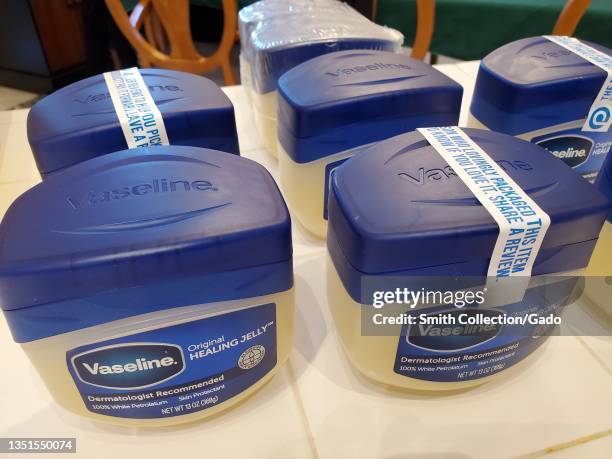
x=277, y=35
x=250, y=16
x=297, y=30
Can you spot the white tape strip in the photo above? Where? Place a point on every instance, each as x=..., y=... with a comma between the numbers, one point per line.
x=598, y=119
x=522, y=223
x=141, y=121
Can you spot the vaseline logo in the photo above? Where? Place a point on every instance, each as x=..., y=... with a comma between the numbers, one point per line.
x=448, y=338
x=129, y=366
x=548, y=55
x=155, y=186
x=573, y=150
x=422, y=176
x=569, y=153
x=105, y=95
x=365, y=68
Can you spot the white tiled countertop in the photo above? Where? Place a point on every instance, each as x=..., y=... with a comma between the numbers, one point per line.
x=559, y=406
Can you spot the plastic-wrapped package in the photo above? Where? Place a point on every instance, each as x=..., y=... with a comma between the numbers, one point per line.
x=250, y=16
x=294, y=32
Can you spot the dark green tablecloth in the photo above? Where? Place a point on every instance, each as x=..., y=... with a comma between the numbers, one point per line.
x=470, y=29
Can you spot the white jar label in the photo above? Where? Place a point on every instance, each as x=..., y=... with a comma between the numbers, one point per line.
x=141, y=121
x=522, y=223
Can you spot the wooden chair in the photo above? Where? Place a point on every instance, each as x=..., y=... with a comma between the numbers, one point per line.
x=424, y=28
x=426, y=16
x=570, y=17
x=167, y=42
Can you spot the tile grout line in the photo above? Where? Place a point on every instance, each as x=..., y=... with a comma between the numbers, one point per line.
x=305, y=421
x=567, y=445
x=601, y=315
x=595, y=356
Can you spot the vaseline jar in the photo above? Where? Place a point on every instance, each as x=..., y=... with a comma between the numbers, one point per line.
x=598, y=280
x=280, y=43
x=540, y=91
x=110, y=112
x=333, y=105
x=251, y=15
x=151, y=287
x=399, y=213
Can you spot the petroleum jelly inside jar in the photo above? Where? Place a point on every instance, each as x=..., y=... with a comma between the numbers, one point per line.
x=151, y=289
x=333, y=105
x=399, y=216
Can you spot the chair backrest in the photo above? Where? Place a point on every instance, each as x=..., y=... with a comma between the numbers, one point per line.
x=426, y=16
x=570, y=17
x=167, y=41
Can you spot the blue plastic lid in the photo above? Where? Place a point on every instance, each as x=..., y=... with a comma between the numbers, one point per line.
x=604, y=181
x=269, y=67
x=281, y=43
x=342, y=100
x=397, y=207
x=137, y=231
x=78, y=122
x=534, y=83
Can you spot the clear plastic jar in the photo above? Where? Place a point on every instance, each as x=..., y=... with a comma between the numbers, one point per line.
x=159, y=292
x=401, y=218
